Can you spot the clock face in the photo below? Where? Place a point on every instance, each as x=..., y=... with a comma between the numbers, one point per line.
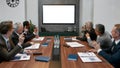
x=12, y=3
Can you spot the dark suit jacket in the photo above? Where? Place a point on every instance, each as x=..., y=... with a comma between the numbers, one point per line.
x=29, y=36
x=92, y=34
x=15, y=38
x=112, y=56
x=6, y=55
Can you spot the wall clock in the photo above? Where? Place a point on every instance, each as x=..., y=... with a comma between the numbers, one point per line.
x=12, y=3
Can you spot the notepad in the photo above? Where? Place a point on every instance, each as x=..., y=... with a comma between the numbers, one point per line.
x=74, y=44
x=42, y=58
x=45, y=44
x=72, y=57
x=20, y=57
x=34, y=46
x=38, y=39
x=88, y=57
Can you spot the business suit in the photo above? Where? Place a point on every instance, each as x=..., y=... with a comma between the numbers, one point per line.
x=112, y=56
x=29, y=36
x=15, y=38
x=6, y=55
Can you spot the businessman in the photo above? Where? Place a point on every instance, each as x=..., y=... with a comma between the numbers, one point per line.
x=7, y=49
x=103, y=37
x=112, y=55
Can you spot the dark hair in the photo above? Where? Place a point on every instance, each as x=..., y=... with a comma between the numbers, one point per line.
x=5, y=26
x=100, y=28
x=25, y=23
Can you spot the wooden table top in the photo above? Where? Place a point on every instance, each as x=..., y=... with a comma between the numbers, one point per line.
x=64, y=52
x=65, y=63
x=46, y=51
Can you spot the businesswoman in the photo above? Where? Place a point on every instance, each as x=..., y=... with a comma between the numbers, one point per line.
x=7, y=49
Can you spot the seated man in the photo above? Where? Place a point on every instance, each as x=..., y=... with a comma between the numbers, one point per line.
x=29, y=35
x=7, y=49
x=103, y=37
x=88, y=28
x=112, y=55
x=18, y=30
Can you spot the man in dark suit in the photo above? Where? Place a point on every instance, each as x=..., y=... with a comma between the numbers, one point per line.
x=112, y=55
x=7, y=49
x=18, y=30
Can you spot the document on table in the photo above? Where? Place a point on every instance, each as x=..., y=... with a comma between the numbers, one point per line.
x=19, y=57
x=74, y=38
x=88, y=57
x=34, y=46
x=38, y=39
x=74, y=44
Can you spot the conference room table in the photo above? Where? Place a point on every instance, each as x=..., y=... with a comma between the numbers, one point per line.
x=46, y=51
x=65, y=51
x=64, y=62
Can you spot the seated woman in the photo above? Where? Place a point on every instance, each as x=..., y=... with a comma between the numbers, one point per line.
x=88, y=28
x=28, y=32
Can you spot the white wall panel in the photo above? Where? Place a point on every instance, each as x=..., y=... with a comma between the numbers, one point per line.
x=107, y=12
x=16, y=14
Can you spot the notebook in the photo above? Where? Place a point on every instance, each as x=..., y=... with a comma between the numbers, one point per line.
x=45, y=44
x=42, y=58
x=72, y=57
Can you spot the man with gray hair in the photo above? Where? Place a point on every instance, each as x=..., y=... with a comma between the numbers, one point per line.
x=18, y=29
x=112, y=55
x=18, y=32
x=103, y=37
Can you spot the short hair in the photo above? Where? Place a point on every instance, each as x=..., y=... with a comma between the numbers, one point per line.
x=90, y=23
x=16, y=26
x=100, y=28
x=25, y=23
x=5, y=26
x=117, y=27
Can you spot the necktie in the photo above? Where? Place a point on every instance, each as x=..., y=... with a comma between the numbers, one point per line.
x=113, y=45
x=8, y=46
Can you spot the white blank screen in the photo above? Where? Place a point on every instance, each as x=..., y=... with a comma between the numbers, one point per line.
x=59, y=14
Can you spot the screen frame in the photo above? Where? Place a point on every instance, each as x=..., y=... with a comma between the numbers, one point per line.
x=60, y=23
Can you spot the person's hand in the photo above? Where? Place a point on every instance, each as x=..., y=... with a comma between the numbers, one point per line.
x=28, y=51
x=37, y=36
x=87, y=35
x=97, y=46
x=25, y=29
x=93, y=43
x=21, y=38
x=92, y=50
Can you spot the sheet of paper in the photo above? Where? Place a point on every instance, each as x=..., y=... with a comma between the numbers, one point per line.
x=19, y=57
x=38, y=39
x=34, y=46
x=88, y=57
x=74, y=38
x=74, y=44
